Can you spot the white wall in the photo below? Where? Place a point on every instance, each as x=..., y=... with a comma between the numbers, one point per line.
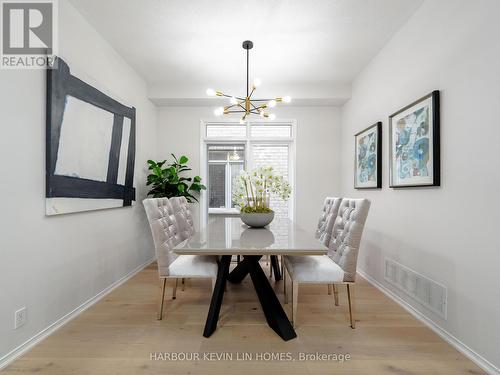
x=449, y=234
x=52, y=265
x=317, y=150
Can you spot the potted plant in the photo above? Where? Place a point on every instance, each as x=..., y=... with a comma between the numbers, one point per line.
x=252, y=194
x=166, y=180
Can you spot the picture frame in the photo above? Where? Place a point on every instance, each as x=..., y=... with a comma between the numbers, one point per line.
x=368, y=158
x=414, y=144
x=90, y=146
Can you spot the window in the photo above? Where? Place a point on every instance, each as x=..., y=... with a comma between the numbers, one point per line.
x=277, y=156
x=229, y=147
x=224, y=164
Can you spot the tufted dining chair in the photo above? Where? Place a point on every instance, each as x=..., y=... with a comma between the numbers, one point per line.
x=166, y=235
x=339, y=266
x=184, y=219
x=327, y=218
x=183, y=216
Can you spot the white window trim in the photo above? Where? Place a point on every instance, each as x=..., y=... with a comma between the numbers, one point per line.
x=249, y=142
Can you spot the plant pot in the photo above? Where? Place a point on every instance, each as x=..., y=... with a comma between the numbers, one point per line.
x=257, y=219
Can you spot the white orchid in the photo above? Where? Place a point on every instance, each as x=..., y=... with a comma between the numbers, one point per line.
x=252, y=189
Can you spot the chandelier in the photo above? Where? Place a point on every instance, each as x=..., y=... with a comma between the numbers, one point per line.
x=248, y=105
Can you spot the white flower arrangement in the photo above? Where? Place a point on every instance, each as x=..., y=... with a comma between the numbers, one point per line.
x=252, y=189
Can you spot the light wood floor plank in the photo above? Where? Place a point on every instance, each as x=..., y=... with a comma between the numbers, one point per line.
x=117, y=335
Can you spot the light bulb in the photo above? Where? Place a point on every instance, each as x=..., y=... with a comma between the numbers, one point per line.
x=233, y=100
x=257, y=82
x=218, y=111
x=272, y=116
x=271, y=103
x=287, y=99
x=210, y=92
x=261, y=113
x=242, y=121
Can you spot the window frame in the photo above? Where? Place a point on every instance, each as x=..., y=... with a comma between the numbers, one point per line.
x=227, y=181
x=249, y=143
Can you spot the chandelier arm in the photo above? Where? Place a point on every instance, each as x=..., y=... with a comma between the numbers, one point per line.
x=235, y=112
x=253, y=105
x=261, y=100
x=251, y=92
x=261, y=107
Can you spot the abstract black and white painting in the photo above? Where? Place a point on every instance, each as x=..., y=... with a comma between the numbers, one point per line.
x=90, y=150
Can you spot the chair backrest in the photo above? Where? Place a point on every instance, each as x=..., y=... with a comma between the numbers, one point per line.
x=327, y=219
x=183, y=216
x=164, y=229
x=346, y=235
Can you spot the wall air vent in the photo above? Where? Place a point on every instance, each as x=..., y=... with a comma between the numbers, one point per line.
x=422, y=289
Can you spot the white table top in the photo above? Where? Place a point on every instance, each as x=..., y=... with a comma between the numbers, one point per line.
x=229, y=236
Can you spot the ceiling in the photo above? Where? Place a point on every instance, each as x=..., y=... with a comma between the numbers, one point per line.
x=182, y=47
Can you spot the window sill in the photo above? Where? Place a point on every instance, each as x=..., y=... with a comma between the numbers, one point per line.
x=223, y=211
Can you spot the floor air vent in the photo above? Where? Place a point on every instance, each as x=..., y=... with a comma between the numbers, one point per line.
x=422, y=289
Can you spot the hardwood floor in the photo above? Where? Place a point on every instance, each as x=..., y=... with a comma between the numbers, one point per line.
x=118, y=335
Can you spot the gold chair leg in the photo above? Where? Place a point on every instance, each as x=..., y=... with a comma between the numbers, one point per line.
x=183, y=284
x=336, y=294
x=295, y=297
x=174, y=289
x=329, y=289
x=163, y=283
x=284, y=286
x=350, y=297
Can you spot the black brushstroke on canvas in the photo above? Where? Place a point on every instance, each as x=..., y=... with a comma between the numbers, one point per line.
x=60, y=84
x=114, y=152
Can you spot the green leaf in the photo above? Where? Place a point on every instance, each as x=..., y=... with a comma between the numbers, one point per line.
x=165, y=180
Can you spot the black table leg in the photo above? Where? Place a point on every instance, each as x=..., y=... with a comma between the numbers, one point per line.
x=218, y=293
x=275, y=315
x=240, y=271
x=276, y=267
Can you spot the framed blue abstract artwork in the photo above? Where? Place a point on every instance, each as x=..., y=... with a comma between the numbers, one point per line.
x=414, y=151
x=368, y=158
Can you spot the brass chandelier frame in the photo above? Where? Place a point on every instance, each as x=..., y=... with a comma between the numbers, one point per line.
x=247, y=105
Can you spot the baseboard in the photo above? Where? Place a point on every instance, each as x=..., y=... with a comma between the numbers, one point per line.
x=479, y=360
x=28, y=344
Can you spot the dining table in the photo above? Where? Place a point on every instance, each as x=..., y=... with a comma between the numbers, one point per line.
x=227, y=236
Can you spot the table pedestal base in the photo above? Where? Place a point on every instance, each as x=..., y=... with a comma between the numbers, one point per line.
x=273, y=311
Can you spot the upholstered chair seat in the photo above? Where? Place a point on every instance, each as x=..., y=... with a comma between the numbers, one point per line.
x=313, y=269
x=193, y=266
x=169, y=228
x=339, y=266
